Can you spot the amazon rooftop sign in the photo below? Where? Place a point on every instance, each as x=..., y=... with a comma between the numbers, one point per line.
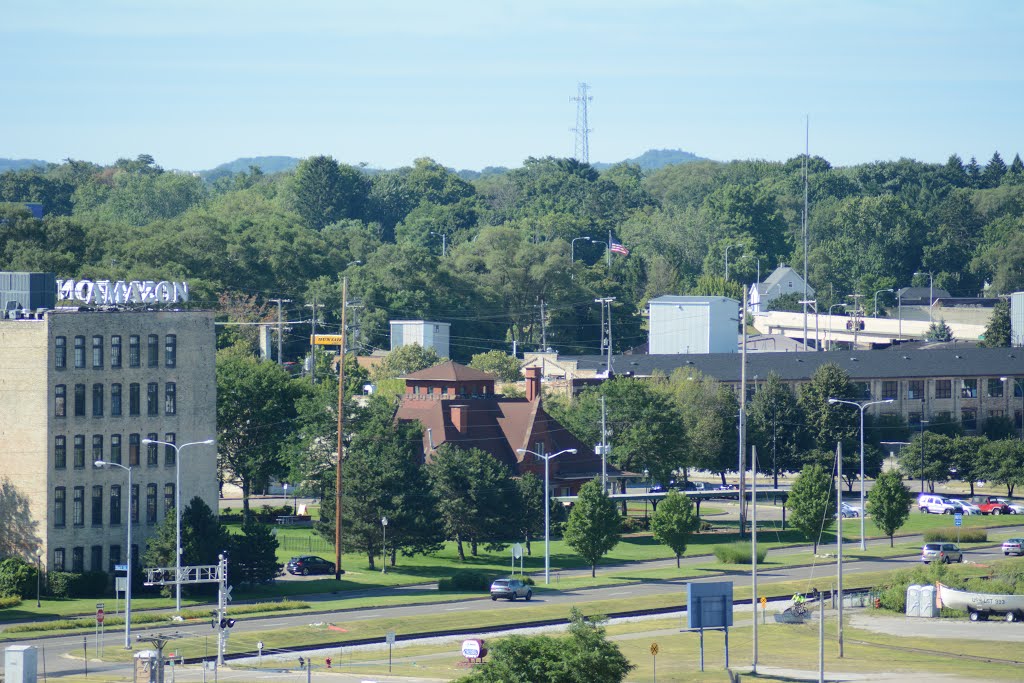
x=108, y=293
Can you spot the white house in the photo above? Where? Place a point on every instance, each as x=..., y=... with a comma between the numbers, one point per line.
x=784, y=280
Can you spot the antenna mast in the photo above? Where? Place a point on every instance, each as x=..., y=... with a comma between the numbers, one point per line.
x=807, y=154
x=582, y=131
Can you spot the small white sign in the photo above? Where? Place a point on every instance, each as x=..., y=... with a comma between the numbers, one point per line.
x=259, y=646
x=471, y=649
x=390, y=637
x=517, y=551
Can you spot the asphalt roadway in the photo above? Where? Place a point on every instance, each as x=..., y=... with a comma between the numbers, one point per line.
x=63, y=654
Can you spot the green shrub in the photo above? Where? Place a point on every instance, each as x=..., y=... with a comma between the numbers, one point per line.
x=467, y=580
x=966, y=535
x=528, y=580
x=632, y=525
x=72, y=585
x=12, y=601
x=17, y=577
x=737, y=553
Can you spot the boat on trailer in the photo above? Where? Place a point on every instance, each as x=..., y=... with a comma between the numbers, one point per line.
x=980, y=606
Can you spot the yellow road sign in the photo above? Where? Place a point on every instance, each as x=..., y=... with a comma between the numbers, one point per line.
x=764, y=602
x=654, y=649
x=326, y=340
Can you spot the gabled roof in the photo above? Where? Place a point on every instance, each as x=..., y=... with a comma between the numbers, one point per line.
x=780, y=273
x=452, y=372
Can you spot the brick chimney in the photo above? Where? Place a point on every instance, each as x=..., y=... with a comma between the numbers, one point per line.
x=460, y=418
x=532, y=384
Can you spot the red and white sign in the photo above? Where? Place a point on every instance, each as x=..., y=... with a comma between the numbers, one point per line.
x=99, y=616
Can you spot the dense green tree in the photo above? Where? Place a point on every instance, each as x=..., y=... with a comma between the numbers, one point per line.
x=406, y=360
x=325, y=192
x=935, y=451
x=998, y=332
x=586, y=655
x=964, y=458
x=530, y=508
x=939, y=331
x=773, y=425
x=828, y=423
x=1002, y=462
x=498, y=363
x=994, y=171
x=889, y=503
x=17, y=578
x=254, y=554
x=203, y=538
x=594, y=525
x=811, y=503
x=255, y=408
x=674, y=521
x=709, y=412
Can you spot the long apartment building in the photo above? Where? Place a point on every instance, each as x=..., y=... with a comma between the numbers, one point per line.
x=79, y=385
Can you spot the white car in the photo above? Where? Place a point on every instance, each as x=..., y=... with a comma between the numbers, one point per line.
x=969, y=508
x=1015, y=508
x=850, y=510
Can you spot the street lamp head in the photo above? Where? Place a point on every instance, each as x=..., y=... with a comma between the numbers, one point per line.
x=207, y=442
x=100, y=464
x=833, y=400
x=384, y=521
x=1003, y=379
x=147, y=441
x=888, y=400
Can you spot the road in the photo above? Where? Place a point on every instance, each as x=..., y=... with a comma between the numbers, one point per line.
x=63, y=653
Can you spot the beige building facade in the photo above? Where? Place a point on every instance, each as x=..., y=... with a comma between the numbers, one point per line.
x=78, y=386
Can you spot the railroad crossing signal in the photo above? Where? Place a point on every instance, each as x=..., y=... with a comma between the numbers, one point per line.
x=654, y=649
x=764, y=602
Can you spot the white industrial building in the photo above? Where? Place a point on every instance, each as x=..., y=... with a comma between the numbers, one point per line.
x=426, y=333
x=693, y=324
x=1017, y=319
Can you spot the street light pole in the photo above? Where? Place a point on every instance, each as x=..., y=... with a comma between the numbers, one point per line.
x=128, y=583
x=876, y=299
x=572, y=247
x=931, y=293
x=177, y=510
x=547, y=506
x=861, y=406
x=39, y=557
x=923, y=422
x=384, y=546
x=444, y=242
x=727, y=247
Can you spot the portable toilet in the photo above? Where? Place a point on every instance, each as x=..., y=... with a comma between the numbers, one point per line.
x=927, y=607
x=914, y=600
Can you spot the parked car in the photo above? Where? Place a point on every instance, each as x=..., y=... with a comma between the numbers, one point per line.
x=850, y=510
x=1013, y=546
x=511, y=589
x=991, y=506
x=937, y=505
x=729, y=487
x=941, y=552
x=969, y=508
x=1015, y=508
x=310, y=564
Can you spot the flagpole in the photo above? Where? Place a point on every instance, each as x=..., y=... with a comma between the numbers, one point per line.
x=608, y=251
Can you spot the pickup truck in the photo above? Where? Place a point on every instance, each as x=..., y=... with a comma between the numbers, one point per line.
x=991, y=506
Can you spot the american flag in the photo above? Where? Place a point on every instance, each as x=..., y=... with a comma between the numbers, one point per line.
x=618, y=248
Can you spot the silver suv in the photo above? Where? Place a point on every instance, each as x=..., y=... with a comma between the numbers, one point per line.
x=937, y=505
x=511, y=589
x=941, y=552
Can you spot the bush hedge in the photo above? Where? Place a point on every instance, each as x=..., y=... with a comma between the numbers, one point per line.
x=11, y=601
x=467, y=580
x=17, y=577
x=737, y=553
x=632, y=525
x=73, y=585
x=966, y=535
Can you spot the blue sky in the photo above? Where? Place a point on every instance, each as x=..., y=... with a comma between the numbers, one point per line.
x=482, y=83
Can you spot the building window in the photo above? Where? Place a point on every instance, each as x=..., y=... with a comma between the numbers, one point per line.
x=133, y=351
x=60, y=452
x=78, y=559
x=79, y=352
x=152, y=399
x=97, y=447
x=79, y=453
x=153, y=351
x=134, y=442
x=969, y=418
x=97, y=400
x=861, y=390
x=97, y=352
x=60, y=506
x=170, y=399
x=78, y=507
x=96, y=558
x=115, y=448
x=97, y=506
x=134, y=399
x=969, y=389
x=115, y=557
x=60, y=400
x=115, y=400
x=169, y=452
x=171, y=350
x=135, y=508
x=995, y=388
x=943, y=388
x=914, y=419
x=60, y=353
x=115, y=505
x=151, y=503
x=58, y=559
x=1018, y=387
x=168, y=498
x=915, y=389
x=79, y=400
x=890, y=390
x=152, y=454
x=996, y=414
x=115, y=351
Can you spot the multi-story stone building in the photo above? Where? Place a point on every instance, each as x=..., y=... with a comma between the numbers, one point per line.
x=81, y=385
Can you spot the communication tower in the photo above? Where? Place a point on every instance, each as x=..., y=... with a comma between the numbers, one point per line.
x=582, y=131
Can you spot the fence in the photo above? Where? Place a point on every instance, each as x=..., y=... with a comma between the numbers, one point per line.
x=308, y=544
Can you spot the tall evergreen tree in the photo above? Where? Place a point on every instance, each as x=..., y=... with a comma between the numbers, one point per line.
x=994, y=171
x=325, y=192
x=998, y=331
x=253, y=559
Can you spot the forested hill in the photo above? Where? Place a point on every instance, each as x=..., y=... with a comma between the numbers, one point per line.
x=421, y=242
x=21, y=164
x=270, y=164
x=654, y=159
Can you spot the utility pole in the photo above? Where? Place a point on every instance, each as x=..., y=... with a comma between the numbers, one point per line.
x=742, y=423
x=857, y=313
x=312, y=348
x=341, y=416
x=543, y=329
x=606, y=301
x=807, y=155
x=280, y=329
x=604, y=447
x=839, y=537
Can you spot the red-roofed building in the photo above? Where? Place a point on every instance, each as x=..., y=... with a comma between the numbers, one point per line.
x=457, y=405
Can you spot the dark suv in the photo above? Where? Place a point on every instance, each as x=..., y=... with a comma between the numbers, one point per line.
x=310, y=564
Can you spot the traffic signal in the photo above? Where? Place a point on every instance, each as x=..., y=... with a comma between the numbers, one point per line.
x=227, y=623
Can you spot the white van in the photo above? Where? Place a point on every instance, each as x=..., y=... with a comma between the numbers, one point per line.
x=937, y=505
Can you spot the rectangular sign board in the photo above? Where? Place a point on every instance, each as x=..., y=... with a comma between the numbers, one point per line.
x=709, y=604
x=326, y=340
x=120, y=567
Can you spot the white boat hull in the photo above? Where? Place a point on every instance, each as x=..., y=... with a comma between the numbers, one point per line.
x=979, y=602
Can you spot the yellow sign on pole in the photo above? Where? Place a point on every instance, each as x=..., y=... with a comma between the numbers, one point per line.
x=654, y=649
x=764, y=602
x=326, y=340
